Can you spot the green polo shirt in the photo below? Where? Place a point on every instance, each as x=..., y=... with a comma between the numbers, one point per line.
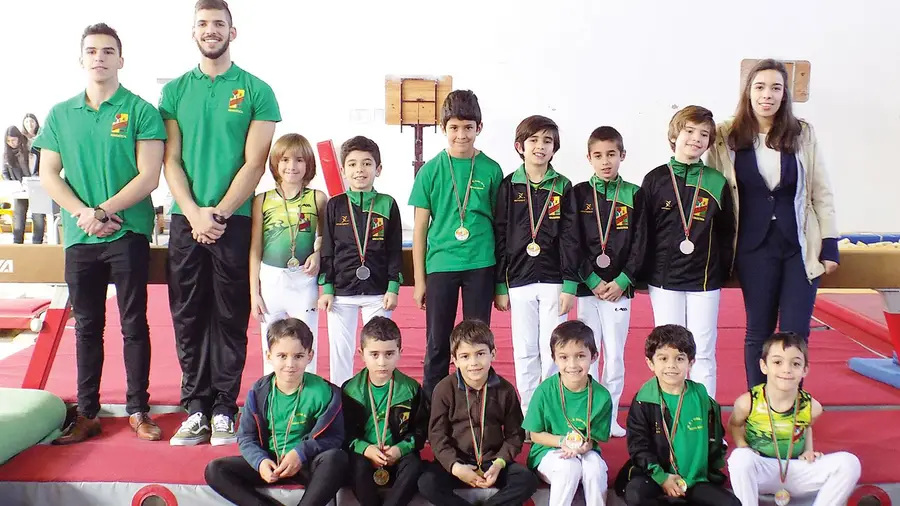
x=433, y=190
x=97, y=148
x=214, y=116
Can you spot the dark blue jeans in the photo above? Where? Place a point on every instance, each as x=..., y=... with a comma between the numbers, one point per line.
x=776, y=291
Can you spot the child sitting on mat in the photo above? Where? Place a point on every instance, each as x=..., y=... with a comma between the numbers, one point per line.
x=772, y=429
x=291, y=430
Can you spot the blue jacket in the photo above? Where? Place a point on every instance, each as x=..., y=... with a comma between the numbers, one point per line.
x=253, y=432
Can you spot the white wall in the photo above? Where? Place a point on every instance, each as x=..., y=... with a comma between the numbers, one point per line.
x=582, y=62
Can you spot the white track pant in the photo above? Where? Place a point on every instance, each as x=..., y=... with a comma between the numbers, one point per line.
x=831, y=478
x=699, y=312
x=564, y=476
x=609, y=321
x=288, y=294
x=342, y=322
x=535, y=313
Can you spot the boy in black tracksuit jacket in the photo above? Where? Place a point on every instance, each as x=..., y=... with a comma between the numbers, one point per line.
x=349, y=284
x=686, y=271
x=537, y=251
x=610, y=207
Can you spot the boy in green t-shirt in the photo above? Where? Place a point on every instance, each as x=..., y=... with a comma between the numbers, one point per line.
x=674, y=455
x=453, y=236
x=110, y=142
x=571, y=415
x=386, y=420
x=772, y=429
x=291, y=430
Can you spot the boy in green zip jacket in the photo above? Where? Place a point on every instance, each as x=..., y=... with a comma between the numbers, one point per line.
x=386, y=420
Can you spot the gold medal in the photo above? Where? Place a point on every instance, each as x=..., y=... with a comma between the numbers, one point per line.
x=573, y=440
x=293, y=263
x=477, y=446
x=681, y=484
x=279, y=456
x=533, y=249
x=462, y=233
x=782, y=497
x=670, y=436
x=381, y=477
x=479, y=472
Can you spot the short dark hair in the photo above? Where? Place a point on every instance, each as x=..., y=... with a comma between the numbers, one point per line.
x=694, y=114
x=606, y=133
x=462, y=105
x=289, y=328
x=214, y=5
x=471, y=332
x=360, y=143
x=673, y=336
x=534, y=124
x=786, y=340
x=102, y=29
x=380, y=328
x=572, y=331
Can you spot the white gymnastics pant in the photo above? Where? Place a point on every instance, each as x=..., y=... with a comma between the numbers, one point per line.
x=288, y=294
x=699, y=312
x=535, y=313
x=564, y=476
x=609, y=321
x=831, y=478
x=342, y=321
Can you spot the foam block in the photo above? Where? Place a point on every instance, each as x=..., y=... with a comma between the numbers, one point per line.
x=27, y=417
x=884, y=370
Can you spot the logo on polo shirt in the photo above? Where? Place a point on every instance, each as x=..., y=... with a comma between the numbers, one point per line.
x=378, y=228
x=701, y=208
x=621, y=217
x=236, y=101
x=553, y=210
x=120, y=126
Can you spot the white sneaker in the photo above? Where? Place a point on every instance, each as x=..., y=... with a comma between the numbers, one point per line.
x=616, y=430
x=193, y=431
x=222, y=431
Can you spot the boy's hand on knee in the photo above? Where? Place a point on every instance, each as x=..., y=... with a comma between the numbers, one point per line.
x=419, y=295
x=390, y=301
x=670, y=486
x=267, y=470
x=325, y=302
x=490, y=477
x=566, y=301
x=501, y=302
x=290, y=465
x=810, y=456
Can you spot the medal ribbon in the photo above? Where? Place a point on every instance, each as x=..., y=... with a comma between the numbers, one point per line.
x=290, y=424
x=461, y=205
x=361, y=245
x=287, y=215
x=477, y=446
x=787, y=460
x=562, y=401
x=534, y=228
x=383, y=439
x=604, y=235
x=671, y=438
x=686, y=222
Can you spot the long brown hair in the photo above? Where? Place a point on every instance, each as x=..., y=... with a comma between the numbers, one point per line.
x=785, y=127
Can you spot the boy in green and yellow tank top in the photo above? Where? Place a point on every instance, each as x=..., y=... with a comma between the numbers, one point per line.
x=284, y=248
x=772, y=429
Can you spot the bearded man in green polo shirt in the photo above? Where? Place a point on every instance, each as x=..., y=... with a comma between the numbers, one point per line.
x=110, y=143
x=220, y=121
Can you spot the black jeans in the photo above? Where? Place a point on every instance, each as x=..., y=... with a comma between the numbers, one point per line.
x=235, y=480
x=38, y=223
x=642, y=491
x=403, y=484
x=89, y=270
x=209, y=294
x=515, y=485
x=776, y=290
x=441, y=299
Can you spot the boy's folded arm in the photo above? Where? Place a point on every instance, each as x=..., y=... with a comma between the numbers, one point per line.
x=640, y=444
x=248, y=435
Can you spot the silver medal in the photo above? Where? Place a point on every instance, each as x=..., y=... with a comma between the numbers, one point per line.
x=686, y=247
x=363, y=273
x=603, y=261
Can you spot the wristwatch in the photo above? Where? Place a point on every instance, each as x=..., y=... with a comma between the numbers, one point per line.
x=100, y=215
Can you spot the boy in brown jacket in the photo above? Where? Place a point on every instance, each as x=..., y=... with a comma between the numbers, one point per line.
x=475, y=429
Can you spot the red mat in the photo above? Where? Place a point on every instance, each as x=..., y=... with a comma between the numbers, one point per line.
x=830, y=380
x=117, y=455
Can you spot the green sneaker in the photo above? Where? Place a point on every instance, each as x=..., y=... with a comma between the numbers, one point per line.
x=193, y=431
x=222, y=431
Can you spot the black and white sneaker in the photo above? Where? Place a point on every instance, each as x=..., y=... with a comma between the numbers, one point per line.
x=222, y=431
x=193, y=431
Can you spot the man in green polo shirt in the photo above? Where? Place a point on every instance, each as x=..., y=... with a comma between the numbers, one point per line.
x=110, y=143
x=220, y=121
